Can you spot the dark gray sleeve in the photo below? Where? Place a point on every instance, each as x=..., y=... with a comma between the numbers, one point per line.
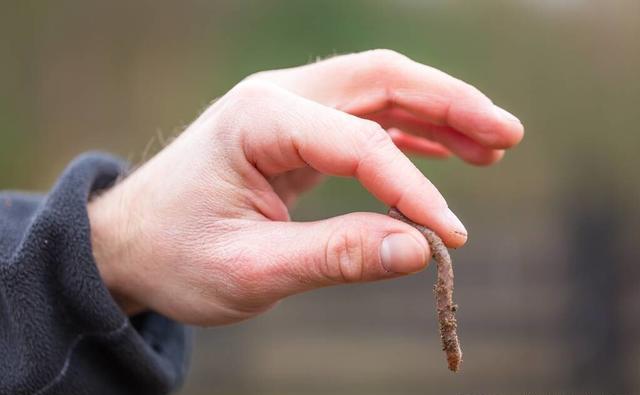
x=60, y=330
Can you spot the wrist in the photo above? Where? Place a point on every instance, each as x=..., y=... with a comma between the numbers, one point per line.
x=112, y=243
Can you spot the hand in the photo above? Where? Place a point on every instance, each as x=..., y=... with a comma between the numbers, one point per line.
x=201, y=233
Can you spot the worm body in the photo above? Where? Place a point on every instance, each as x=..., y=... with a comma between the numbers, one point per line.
x=443, y=290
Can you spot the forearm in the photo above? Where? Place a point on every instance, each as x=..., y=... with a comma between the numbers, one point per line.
x=112, y=242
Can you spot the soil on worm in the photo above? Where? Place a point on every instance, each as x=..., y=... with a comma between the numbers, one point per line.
x=443, y=290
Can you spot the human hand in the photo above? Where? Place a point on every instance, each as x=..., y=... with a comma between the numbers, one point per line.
x=201, y=232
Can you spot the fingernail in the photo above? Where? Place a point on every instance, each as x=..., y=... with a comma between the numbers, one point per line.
x=506, y=114
x=402, y=253
x=454, y=222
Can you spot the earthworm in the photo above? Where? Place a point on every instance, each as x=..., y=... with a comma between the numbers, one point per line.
x=443, y=290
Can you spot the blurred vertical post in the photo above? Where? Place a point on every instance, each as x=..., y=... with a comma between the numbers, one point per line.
x=594, y=323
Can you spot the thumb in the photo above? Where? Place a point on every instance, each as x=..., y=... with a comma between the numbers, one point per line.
x=357, y=247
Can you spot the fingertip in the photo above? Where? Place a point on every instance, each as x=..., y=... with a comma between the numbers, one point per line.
x=456, y=234
x=443, y=222
x=485, y=157
x=507, y=115
x=488, y=124
x=512, y=128
x=509, y=131
x=404, y=253
x=448, y=227
x=422, y=241
x=456, y=239
x=498, y=155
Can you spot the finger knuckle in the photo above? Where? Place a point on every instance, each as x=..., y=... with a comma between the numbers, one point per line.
x=376, y=137
x=486, y=158
x=472, y=94
x=259, y=75
x=254, y=89
x=383, y=55
x=248, y=102
x=376, y=143
x=344, y=257
x=383, y=61
x=473, y=91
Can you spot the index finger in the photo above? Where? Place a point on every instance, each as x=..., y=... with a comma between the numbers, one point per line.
x=295, y=132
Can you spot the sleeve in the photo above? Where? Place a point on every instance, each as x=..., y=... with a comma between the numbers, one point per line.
x=60, y=330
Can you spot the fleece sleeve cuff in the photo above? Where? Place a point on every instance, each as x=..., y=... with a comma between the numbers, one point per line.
x=60, y=330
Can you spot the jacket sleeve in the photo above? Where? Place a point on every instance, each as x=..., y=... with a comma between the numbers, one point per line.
x=60, y=330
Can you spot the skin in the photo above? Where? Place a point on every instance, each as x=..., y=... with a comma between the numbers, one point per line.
x=201, y=232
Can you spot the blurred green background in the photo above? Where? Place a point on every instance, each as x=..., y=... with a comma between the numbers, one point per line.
x=549, y=282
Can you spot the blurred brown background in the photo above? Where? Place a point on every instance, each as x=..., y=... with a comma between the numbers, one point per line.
x=548, y=283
